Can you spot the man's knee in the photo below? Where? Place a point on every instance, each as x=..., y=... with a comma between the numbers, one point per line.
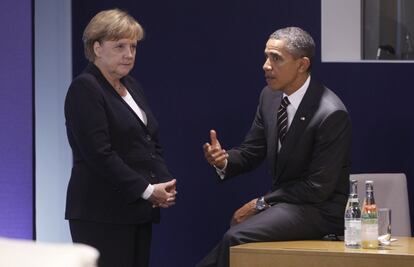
x=233, y=237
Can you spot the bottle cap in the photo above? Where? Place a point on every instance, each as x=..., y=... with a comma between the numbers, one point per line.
x=369, y=186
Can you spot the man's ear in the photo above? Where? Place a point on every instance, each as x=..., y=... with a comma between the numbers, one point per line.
x=97, y=48
x=304, y=64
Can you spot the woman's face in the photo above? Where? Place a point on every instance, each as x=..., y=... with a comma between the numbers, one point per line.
x=115, y=58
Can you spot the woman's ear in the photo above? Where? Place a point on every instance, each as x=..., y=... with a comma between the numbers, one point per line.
x=97, y=48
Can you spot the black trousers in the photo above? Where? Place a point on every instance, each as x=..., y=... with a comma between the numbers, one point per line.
x=119, y=245
x=280, y=222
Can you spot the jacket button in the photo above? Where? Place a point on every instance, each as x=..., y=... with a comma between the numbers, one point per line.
x=148, y=137
x=152, y=174
x=152, y=155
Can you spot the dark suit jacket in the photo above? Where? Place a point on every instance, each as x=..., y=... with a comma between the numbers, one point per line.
x=312, y=167
x=115, y=156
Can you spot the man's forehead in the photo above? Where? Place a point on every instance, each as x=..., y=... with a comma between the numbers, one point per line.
x=275, y=46
x=275, y=43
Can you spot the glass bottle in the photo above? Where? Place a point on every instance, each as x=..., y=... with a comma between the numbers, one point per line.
x=353, y=218
x=408, y=50
x=369, y=229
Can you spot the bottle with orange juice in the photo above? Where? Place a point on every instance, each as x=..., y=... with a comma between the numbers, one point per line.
x=369, y=218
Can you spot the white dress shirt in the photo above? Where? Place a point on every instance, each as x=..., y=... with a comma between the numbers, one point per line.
x=131, y=102
x=295, y=100
x=143, y=117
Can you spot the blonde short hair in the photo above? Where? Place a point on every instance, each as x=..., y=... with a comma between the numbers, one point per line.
x=112, y=24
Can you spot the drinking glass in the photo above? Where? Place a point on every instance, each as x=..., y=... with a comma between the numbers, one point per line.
x=384, y=226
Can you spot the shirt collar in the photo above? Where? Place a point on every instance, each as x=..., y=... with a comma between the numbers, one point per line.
x=297, y=96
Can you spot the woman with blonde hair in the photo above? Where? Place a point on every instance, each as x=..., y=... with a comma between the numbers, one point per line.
x=119, y=178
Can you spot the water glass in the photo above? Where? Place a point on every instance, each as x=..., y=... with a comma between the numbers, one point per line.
x=384, y=226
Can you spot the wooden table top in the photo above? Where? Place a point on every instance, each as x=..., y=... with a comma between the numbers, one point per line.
x=404, y=246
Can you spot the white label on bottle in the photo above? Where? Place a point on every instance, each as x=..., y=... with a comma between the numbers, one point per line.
x=352, y=231
x=369, y=231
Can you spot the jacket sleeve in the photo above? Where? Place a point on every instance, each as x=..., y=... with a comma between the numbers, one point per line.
x=328, y=161
x=251, y=153
x=87, y=127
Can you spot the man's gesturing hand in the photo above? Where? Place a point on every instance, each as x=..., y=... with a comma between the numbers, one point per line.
x=164, y=194
x=213, y=152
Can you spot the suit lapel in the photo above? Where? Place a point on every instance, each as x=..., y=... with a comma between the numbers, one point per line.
x=139, y=99
x=273, y=136
x=303, y=116
x=132, y=91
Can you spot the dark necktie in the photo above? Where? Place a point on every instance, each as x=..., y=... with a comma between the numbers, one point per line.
x=282, y=119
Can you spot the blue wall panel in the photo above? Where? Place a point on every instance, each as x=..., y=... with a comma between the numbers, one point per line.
x=201, y=67
x=16, y=119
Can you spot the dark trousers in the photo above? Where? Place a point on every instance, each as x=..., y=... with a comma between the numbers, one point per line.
x=119, y=245
x=280, y=222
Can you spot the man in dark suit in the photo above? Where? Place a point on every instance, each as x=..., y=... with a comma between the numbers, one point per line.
x=304, y=131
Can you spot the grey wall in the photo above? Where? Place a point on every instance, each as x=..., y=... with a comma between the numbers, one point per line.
x=53, y=74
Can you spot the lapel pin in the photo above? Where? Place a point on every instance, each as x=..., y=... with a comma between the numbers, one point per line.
x=302, y=118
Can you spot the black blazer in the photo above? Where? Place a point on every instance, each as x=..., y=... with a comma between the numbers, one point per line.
x=313, y=165
x=115, y=156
